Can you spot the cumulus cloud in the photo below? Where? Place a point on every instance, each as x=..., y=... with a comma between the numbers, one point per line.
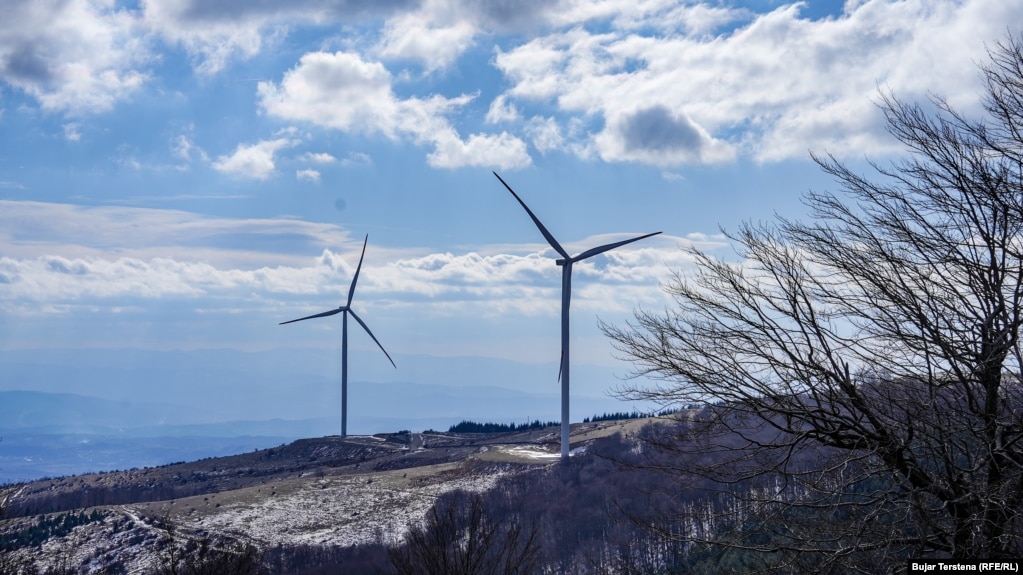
x=545, y=133
x=656, y=135
x=308, y=176
x=692, y=18
x=433, y=32
x=725, y=81
x=215, y=33
x=503, y=151
x=521, y=280
x=340, y=91
x=77, y=57
x=345, y=92
x=254, y=161
x=447, y=283
x=683, y=90
x=319, y=157
x=436, y=34
x=501, y=111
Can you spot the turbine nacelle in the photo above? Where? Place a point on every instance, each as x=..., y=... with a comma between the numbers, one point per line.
x=566, y=261
x=345, y=310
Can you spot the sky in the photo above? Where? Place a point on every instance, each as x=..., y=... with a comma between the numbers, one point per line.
x=177, y=177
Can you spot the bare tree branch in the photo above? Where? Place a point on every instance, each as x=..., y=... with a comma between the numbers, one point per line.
x=864, y=368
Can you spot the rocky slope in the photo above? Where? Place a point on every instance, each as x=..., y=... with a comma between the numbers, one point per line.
x=327, y=492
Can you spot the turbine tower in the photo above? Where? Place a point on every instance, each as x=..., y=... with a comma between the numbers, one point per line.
x=344, y=311
x=566, y=262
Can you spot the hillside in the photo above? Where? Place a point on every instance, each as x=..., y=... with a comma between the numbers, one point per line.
x=327, y=494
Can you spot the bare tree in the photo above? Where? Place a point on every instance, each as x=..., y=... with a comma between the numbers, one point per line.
x=206, y=554
x=459, y=538
x=864, y=369
x=9, y=563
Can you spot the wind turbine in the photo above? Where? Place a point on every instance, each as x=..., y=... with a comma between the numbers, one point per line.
x=566, y=262
x=344, y=311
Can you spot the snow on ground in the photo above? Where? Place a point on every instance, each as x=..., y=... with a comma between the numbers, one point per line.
x=537, y=454
x=96, y=546
x=533, y=453
x=346, y=510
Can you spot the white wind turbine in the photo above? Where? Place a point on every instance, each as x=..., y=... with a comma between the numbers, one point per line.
x=566, y=262
x=344, y=311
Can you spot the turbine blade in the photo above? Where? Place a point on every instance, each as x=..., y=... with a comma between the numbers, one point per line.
x=351, y=290
x=546, y=234
x=604, y=248
x=324, y=314
x=366, y=327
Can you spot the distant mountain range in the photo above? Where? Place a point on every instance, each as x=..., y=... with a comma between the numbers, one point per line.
x=206, y=386
x=70, y=411
x=56, y=434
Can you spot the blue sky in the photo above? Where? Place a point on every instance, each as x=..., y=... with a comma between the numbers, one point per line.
x=178, y=176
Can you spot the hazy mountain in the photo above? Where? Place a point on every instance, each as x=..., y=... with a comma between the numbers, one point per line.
x=208, y=386
x=54, y=434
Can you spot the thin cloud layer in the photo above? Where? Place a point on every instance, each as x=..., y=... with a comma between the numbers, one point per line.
x=30, y=230
x=441, y=284
x=81, y=268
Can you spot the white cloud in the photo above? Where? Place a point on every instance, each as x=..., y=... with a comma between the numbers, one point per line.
x=436, y=34
x=356, y=159
x=529, y=282
x=212, y=42
x=184, y=148
x=439, y=283
x=71, y=132
x=319, y=158
x=697, y=18
x=501, y=111
x=78, y=56
x=308, y=176
x=503, y=151
x=726, y=81
x=215, y=33
x=656, y=135
x=344, y=92
x=545, y=133
x=36, y=229
x=87, y=259
x=679, y=90
x=338, y=91
x=433, y=32
x=255, y=161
